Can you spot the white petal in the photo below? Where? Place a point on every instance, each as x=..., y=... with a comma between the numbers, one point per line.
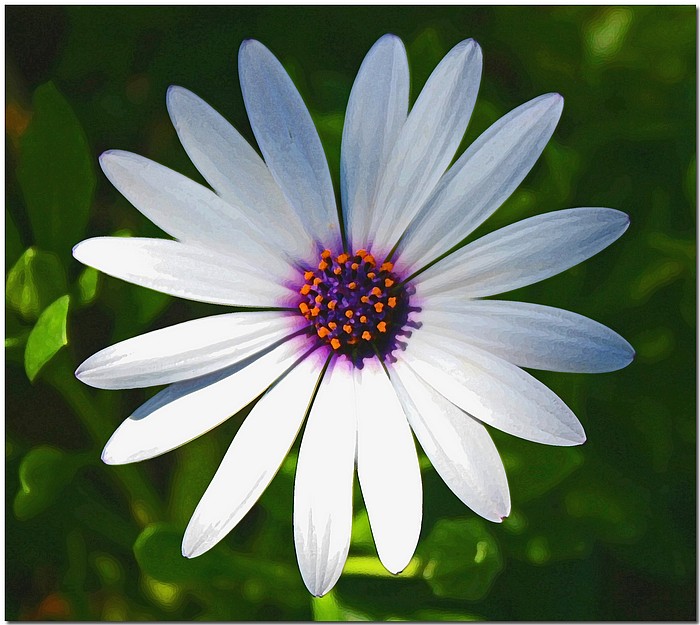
x=288, y=140
x=376, y=112
x=234, y=169
x=387, y=467
x=525, y=252
x=186, y=410
x=323, y=483
x=492, y=390
x=529, y=335
x=459, y=447
x=186, y=350
x=427, y=143
x=481, y=180
x=186, y=210
x=185, y=271
x=253, y=459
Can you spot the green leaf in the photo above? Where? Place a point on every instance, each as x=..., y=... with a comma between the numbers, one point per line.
x=88, y=282
x=47, y=337
x=463, y=559
x=56, y=172
x=43, y=474
x=35, y=281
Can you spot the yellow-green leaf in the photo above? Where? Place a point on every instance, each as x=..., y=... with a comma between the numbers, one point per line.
x=47, y=337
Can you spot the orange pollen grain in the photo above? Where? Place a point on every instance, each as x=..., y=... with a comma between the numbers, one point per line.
x=366, y=335
x=354, y=266
x=388, y=282
x=386, y=267
x=363, y=319
x=370, y=259
x=326, y=254
x=332, y=304
x=352, y=286
x=319, y=298
x=376, y=291
x=304, y=308
x=349, y=314
x=305, y=289
x=381, y=326
x=371, y=275
x=323, y=265
x=323, y=332
x=348, y=328
x=335, y=343
x=332, y=325
x=308, y=275
x=317, y=281
x=314, y=311
x=361, y=253
x=364, y=299
x=378, y=307
x=343, y=258
x=337, y=271
x=392, y=302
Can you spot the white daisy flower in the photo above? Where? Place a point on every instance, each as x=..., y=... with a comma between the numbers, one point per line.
x=354, y=327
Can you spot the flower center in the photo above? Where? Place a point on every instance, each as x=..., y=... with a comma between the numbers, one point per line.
x=357, y=307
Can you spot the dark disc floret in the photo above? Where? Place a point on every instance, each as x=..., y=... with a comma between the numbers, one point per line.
x=356, y=306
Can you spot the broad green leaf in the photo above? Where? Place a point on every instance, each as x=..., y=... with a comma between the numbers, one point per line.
x=47, y=337
x=462, y=559
x=35, y=281
x=43, y=474
x=56, y=172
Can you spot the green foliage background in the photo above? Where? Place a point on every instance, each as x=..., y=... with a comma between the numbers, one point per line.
x=601, y=532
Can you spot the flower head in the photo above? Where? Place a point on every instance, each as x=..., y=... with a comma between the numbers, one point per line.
x=365, y=329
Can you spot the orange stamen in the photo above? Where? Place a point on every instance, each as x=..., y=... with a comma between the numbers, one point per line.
x=348, y=328
x=349, y=314
x=305, y=289
x=386, y=266
x=392, y=302
x=381, y=326
x=323, y=332
x=366, y=335
x=332, y=304
x=308, y=275
x=376, y=291
x=343, y=258
x=388, y=282
x=335, y=343
x=378, y=307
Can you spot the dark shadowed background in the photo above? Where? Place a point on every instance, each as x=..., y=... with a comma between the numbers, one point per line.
x=605, y=531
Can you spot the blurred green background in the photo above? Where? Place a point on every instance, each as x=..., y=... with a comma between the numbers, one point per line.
x=606, y=531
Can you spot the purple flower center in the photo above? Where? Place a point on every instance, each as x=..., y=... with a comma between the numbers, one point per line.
x=357, y=307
